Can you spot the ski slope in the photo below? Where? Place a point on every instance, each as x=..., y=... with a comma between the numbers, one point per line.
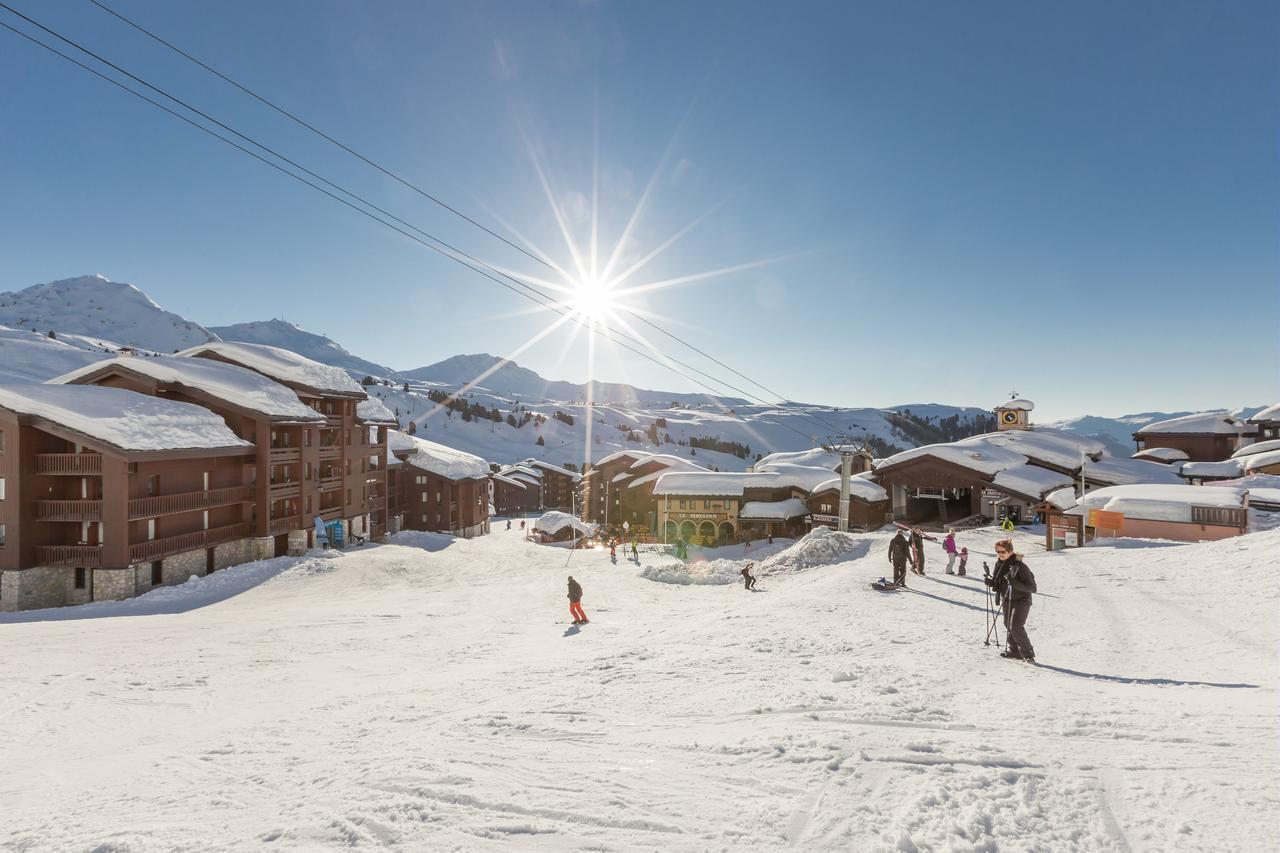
x=430, y=695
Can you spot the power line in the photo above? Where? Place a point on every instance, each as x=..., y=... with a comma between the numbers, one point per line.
x=431, y=242
x=396, y=177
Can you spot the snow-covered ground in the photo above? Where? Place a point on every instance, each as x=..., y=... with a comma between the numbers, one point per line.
x=430, y=695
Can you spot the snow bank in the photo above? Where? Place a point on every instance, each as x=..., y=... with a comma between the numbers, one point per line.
x=1260, y=460
x=820, y=547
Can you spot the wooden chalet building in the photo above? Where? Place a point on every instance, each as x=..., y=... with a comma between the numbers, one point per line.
x=1204, y=437
x=106, y=493
x=513, y=496
x=599, y=495
x=1266, y=424
x=531, y=479
x=869, y=505
x=717, y=508
x=335, y=471
x=441, y=489
x=624, y=491
x=559, y=485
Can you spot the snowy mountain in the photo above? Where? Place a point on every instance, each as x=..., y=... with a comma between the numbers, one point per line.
x=278, y=333
x=512, y=380
x=101, y=310
x=1117, y=433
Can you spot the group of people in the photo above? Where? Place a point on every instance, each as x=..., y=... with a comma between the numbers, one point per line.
x=613, y=550
x=1012, y=581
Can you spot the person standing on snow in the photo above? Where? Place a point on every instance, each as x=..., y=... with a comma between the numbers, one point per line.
x=898, y=549
x=1014, y=585
x=748, y=580
x=635, y=551
x=575, y=603
x=964, y=560
x=917, y=549
x=949, y=545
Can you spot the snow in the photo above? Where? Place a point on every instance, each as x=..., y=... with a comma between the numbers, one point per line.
x=1117, y=472
x=445, y=461
x=1159, y=502
x=1063, y=498
x=1218, y=423
x=716, y=483
x=283, y=366
x=429, y=695
x=1030, y=480
x=94, y=307
x=502, y=478
x=122, y=419
x=34, y=357
x=374, y=411
x=399, y=443
x=805, y=477
x=1257, y=447
x=554, y=521
x=1162, y=454
x=773, y=510
x=1226, y=469
x=223, y=381
x=538, y=464
x=1018, y=404
x=817, y=457
x=985, y=459
x=859, y=488
x=1260, y=460
x=285, y=335
x=1270, y=413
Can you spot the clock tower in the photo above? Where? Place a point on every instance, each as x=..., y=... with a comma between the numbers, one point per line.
x=1014, y=413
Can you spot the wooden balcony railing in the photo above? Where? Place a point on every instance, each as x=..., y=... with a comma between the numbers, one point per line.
x=333, y=451
x=330, y=484
x=333, y=421
x=285, y=489
x=155, y=549
x=87, y=556
x=285, y=524
x=68, y=510
x=72, y=464
x=1220, y=516
x=188, y=501
x=284, y=455
x=331, y=514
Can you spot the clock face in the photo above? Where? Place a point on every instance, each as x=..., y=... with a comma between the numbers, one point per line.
x=1009, y=417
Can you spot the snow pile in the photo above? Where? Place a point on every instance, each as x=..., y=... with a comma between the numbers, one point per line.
x=807, y=477
x=1226, y=469
x=282, y=366
x=1259, y=461
x=123, y=419
x=698, y=572
x=820, y=547
x=228, y=382
x=773, y=510
x=1122, y=472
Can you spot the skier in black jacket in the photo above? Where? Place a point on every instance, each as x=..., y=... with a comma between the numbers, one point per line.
x=1014, y=585
x=575, y=602
x=898, y=548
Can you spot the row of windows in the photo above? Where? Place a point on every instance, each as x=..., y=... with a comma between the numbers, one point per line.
x=682, y=503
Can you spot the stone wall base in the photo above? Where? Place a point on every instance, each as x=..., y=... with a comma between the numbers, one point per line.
x=264, y=547
x=297, y=542
x=30, y=589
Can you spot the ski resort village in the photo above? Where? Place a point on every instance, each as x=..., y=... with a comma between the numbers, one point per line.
x=611, y=426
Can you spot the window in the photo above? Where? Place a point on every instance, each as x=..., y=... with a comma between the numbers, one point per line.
x=306, y=434
x=153, y=485
x=1, y=441
x=206, y=519
x=151, y=529
x=157, y=573
x=1, y=535
x=424, y=497
x=437, y=497
x=206, y=481
x=1, y=488
x=81, y=577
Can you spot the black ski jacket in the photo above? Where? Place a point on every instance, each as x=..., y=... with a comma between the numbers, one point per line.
x=1013, y=573
x=575, y=591
x=898, y=548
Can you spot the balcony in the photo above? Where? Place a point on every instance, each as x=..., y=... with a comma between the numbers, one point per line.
x=187, y=502
x=333, y=421
x=331, y=514
x=86, y=556
x=68, y=510
x=331, y=484
x=285, y=455
x=333, y=451
x=284, y=490
x=375, y=475
x=155, y=549
x=69, y=464
x=284, y=525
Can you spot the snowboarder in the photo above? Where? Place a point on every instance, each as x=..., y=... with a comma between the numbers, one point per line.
x=949, y=545
x=1014, y=584
x=898, y=548
x=748, y=580
x=917, y=550
x=575, y=603
x=964, y=559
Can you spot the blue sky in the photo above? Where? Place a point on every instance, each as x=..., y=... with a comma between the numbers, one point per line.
x=1076, y=200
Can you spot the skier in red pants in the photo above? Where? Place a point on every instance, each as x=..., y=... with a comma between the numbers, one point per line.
x=575, y=603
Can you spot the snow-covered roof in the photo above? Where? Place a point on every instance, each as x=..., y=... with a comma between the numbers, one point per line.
x=1030, y=480
x=374, y=411
x=1260, y=460
x=231, y=383
x=553, y=522
x=712, y=483
x=806, y=477
x=773, y=510
x=817, y=457
x=445, y=461
x=1257, y=447
x=666, y=460
x=860, y=488
x=619, y=454
x=1063, y=498
x=1159, y=502
x=547, y=466
x=509, y=481
x=980, y=457
x=399, y=442
x=122, y=419
x=1224, y=470
x=1116, y=472
x=522, y=470
x=1271, y=413
x=1019, y=404
x=282, y=365
x=1202, y=423
x=1162, y=454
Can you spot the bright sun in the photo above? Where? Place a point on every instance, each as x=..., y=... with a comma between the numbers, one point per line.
x=593, y=298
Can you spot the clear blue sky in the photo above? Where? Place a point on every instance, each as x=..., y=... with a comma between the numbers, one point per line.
x=1077, y=200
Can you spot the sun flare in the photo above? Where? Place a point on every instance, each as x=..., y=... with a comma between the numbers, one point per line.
x=594, y=298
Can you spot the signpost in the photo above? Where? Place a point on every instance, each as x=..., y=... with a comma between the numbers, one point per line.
x=1101, y=519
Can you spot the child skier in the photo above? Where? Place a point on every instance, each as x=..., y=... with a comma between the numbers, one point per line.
x=964, y=558
x=613, y=552
x=575, y=603
x=748, y=580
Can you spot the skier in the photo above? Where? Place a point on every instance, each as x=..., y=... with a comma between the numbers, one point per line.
x=949, y=545
x=635, y=552
x=1014, y=584
x=748, y=580
x=770, y=538
x=575, y=603
x=508, y=524
x=522, y=524
x=613, y=552
x=898, y=548
x=964, y=559
x=917, y=549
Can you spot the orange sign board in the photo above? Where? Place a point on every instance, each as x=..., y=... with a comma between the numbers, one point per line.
x=1101, y=519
